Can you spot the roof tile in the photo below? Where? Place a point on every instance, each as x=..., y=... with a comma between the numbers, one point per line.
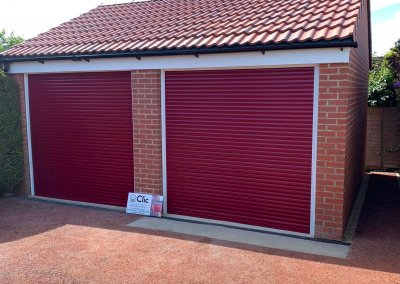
x=179, y=24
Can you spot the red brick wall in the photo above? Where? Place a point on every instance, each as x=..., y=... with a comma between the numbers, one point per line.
x=25, y=188
x=357, y=112
x=383, y=130
x=332, y=119
x=146, y=104
x=341, y=135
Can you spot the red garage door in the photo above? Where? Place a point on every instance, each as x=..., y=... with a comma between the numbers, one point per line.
x=81, y=127
x=239, y=145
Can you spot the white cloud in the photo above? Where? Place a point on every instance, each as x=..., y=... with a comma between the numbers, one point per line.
x=379, y=4
x=385, y=34
x=28, y=18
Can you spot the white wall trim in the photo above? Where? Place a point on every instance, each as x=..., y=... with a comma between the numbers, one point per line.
x=28, y=133
x=314, y=151
x=163, y=143
x=255, y=59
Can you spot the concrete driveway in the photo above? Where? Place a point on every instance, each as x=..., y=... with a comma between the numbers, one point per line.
x=51, y=243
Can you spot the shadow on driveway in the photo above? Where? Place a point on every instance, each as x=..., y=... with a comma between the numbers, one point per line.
x=51, y=236
x=377, y=241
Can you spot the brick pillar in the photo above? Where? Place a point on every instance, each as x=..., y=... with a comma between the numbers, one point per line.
x=331, y=150
x=146, y=104
x=25, y=188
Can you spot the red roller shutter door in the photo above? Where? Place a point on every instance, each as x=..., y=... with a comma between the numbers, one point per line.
x=81, y=125
x=239, y=145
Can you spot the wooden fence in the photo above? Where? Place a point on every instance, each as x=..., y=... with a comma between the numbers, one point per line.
x=383, y=133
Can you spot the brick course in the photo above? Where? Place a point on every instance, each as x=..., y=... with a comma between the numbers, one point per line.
x=146, y=106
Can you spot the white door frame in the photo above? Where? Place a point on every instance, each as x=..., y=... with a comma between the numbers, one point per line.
x=28, y=133
x=313, y=159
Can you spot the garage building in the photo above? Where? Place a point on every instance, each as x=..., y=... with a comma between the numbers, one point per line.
x=244, y=113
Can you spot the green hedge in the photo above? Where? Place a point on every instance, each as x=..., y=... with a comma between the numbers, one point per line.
x=11, y=152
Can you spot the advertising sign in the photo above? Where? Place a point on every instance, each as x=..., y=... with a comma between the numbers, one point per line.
x=144, y=204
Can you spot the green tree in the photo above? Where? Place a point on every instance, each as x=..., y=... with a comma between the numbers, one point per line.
x=8, y=41
x=392, y=59
x=381, y=91
x=11, y=153
x=385, y=73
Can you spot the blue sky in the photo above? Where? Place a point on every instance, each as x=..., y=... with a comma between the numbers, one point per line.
x=40, y=15
x=385, y=18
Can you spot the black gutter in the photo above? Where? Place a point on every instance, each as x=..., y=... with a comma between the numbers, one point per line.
x=189, y=51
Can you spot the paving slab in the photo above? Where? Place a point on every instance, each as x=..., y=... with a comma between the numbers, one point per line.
x=241, y=236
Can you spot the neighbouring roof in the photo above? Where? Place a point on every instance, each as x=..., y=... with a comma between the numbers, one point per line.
x=162, y=25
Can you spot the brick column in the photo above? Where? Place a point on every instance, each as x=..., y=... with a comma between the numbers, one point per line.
x=146, y=104
x=25, y=188
x=331, y=151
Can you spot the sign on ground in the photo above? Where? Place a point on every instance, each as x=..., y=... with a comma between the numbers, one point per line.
x=144, y=204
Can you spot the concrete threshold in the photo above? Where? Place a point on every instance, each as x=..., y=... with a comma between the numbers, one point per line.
x=76, y=203
x=241, y=236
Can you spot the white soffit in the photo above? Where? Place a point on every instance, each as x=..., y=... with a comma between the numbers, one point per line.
x=222, y=60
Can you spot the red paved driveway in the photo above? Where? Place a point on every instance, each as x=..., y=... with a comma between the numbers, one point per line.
x=49, y=243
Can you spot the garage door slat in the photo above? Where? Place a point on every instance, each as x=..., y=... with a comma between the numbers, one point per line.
x=239, y=145
x=81, y=129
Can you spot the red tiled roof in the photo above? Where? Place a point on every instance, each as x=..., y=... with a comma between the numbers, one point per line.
x=183, y=24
